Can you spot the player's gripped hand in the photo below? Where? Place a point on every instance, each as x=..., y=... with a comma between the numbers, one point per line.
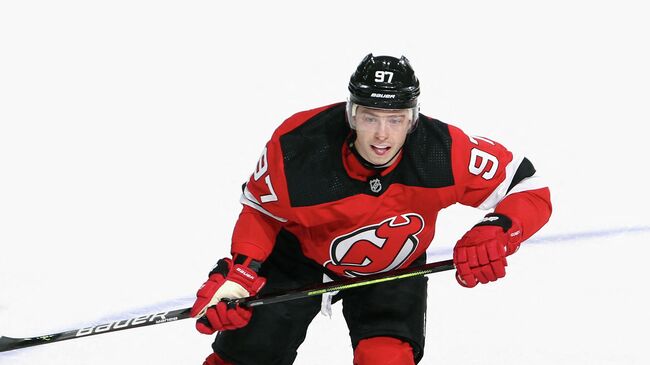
x=480, y=255
x=226, y=281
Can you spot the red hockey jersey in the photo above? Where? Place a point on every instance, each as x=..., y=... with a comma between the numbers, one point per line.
x=355, y=221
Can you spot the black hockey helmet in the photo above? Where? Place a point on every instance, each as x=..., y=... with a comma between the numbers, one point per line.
x=384, y=82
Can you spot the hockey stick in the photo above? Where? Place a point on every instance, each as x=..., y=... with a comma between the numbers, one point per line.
x=10, y=343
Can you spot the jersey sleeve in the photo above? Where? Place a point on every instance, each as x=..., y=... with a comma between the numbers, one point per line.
x=489, y=176
x=265, y=205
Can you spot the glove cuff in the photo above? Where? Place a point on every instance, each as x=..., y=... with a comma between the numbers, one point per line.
x=510, y=227
x=247, y=278
x=241, y=270
x=222, y=267
x=496, y=219
x=244, y=260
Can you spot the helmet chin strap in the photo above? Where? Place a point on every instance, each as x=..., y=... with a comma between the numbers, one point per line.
x=365, y=162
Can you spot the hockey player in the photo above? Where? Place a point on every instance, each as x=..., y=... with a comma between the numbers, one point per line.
x=352, y=189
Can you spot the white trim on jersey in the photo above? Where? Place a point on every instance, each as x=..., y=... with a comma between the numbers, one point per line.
x=248, y=199
x=501, y=191
x=529, y=183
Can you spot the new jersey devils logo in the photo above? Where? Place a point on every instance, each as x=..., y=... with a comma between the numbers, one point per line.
x=376, y=248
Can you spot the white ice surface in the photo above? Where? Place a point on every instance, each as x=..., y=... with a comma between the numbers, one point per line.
x=127, y=128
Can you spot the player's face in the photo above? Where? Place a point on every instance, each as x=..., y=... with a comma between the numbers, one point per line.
x=381, y=133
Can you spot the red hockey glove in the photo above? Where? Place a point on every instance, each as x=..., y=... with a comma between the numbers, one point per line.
x=480, y=256
x=231, y=281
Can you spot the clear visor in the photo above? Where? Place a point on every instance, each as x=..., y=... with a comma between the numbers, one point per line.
x=362, y=117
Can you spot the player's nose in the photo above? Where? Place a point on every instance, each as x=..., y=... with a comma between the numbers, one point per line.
x=382, y=130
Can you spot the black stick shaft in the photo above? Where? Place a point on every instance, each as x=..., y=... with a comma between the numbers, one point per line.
x=10, y=343
x=346, y=284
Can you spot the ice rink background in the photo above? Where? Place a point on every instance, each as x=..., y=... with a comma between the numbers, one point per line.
x=127, y=128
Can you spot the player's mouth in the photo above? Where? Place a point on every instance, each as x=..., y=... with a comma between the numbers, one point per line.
x=380, y=150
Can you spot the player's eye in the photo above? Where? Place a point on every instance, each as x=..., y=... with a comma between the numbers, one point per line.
x=369, y=119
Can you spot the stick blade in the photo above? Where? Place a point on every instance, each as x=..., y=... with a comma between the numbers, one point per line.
x=10, y=343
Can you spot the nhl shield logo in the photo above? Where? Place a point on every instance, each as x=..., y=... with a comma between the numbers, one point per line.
x=375, y=185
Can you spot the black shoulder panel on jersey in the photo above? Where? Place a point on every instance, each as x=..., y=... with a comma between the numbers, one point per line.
x=524, y=170
x=313, y=162
x=312, y=159
x=427, y=156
